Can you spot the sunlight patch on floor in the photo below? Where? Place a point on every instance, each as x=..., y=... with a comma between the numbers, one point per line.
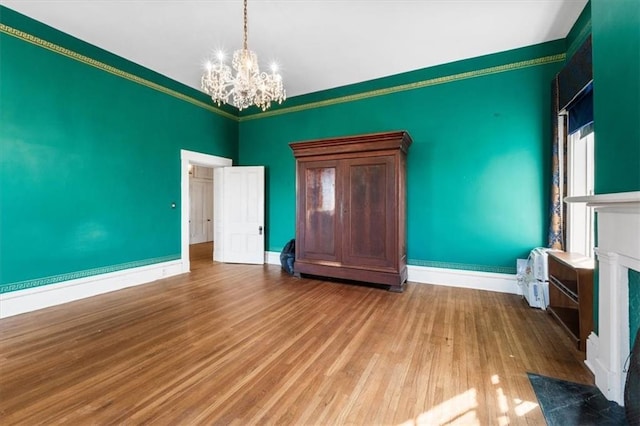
x=520, y=407
x=503, y=405
x=459, y=410
x=523, y=407
x=462, y=409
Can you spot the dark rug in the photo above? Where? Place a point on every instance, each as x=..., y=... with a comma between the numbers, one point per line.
x=567, y=404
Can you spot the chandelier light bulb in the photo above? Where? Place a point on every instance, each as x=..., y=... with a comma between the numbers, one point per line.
x=248, y=86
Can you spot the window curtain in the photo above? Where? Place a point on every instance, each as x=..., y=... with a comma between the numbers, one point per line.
x=557, y=210
x=567, y=85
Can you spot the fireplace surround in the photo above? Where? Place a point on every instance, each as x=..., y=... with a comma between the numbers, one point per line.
x=617, y=251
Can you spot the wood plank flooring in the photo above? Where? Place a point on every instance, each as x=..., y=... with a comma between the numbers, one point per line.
x=242, y=344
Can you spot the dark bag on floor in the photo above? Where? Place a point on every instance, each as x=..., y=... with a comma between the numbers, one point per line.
x=288, y=256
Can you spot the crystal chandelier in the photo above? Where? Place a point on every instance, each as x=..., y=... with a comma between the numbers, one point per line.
x=249, y=86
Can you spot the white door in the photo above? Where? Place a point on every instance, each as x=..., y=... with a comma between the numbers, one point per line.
x=208, y=210
x=200, y=211
x=239, y=227
x=197, y=231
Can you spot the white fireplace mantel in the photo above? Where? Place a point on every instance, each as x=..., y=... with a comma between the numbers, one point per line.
x=618, y=251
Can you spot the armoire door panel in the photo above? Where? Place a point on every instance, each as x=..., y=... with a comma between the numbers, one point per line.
x=319, y=221
x=369, y=234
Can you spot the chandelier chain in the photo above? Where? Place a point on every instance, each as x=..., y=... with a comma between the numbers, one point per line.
x=246, y=28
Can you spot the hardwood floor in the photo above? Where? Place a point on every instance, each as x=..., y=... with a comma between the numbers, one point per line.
x=241, y=344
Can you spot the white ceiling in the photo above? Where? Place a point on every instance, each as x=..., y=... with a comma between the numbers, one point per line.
x=319, y=44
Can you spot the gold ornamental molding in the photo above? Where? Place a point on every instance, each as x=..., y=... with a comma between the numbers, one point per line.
x=413, y=86
x=110, y=69
x=312, y=105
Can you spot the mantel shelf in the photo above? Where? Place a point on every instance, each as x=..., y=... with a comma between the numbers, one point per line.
x=612, y=199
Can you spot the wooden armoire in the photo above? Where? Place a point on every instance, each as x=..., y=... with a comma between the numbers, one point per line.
x=350, y=208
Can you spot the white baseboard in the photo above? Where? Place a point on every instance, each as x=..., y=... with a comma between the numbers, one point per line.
x=593, y=352
x=272, y=257
x=28, y=300
x=490, y=281
x=22, y=301
x=594, y=363
x=605, y=379
x=477, y=280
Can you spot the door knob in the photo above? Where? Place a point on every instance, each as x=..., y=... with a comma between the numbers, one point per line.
x=259, y=230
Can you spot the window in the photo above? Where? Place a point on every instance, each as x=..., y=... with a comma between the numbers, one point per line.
x=580, y=168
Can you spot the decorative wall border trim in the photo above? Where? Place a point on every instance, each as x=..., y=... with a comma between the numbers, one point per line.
x=410, y=86
x=32, y=299
x=312, y=105
x=273, y=258
x=38, y=282
x=463, y=266
x=476, y=280
x=110, y=69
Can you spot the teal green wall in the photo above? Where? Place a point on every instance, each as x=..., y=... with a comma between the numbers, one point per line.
x=579, y=32
x=478, y=167
x=90, y=160
x=634, y=305
x=616, y=91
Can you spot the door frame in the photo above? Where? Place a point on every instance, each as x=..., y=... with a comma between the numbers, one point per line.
x=196, y=159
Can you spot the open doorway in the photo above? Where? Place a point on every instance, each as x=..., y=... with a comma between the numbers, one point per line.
x=200, y=204
x=189, y=160
x=201, y=217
